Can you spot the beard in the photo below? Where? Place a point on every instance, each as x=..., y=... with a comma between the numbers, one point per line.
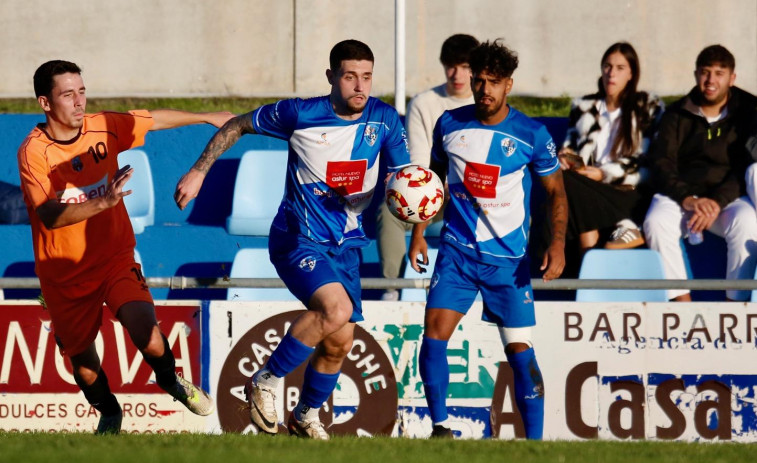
x=354, y=106
x=486, y=111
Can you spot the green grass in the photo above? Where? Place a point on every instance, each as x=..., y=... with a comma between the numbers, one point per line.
x=530, y=105
x=228, y=448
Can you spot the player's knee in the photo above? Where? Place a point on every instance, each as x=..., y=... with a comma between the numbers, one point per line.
x=151, y=345
x=336, y=315
x=84, y=376
x=336, y=349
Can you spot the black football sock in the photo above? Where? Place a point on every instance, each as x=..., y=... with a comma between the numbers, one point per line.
x=163, y=366
x=98, y=394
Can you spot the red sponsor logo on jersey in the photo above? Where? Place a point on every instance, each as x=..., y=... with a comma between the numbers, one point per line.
x=346, y=177
x=80, y=194
x=481, y=179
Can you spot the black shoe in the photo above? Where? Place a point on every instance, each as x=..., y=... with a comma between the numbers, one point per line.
x=110, y=424
x=441, y=432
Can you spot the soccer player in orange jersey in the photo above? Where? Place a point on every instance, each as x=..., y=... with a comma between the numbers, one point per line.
x=83, y=240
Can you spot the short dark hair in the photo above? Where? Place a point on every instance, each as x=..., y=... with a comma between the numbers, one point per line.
x=349, y=49
x=456, y=49
x=495, y=58
x=716, y=54
x=45, y=74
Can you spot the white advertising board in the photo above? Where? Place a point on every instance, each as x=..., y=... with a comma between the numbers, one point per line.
x=611, y=371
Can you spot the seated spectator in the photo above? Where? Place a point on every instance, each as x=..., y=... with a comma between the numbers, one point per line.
x=751, y=172
x=698, y=162
x=423, y=111
x=602, y=156
x=12, y=207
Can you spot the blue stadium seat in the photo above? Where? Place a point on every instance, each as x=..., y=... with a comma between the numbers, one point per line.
x=417, y=294
x=622, y=264
x=258, y=190
x=255, y=263
x=754, y=291
x=141, y=202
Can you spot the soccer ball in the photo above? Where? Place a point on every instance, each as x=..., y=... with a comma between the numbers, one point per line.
x=414, y=194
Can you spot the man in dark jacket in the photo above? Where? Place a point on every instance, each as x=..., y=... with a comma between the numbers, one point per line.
x=699, y=161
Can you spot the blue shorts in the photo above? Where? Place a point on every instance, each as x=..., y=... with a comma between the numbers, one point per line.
x=305, y=266
x=505, y=290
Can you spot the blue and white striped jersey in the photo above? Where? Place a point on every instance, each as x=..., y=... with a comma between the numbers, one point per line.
x=489, y=179
x=333, y=166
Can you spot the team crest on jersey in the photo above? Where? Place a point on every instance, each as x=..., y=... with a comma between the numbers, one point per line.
x=434, y=280
x=308, y=263
x=370, y=134
x=508, y=146
x=527, y=299
x=76, y=164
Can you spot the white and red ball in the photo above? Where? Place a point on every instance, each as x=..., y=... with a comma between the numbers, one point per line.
x=414, y=194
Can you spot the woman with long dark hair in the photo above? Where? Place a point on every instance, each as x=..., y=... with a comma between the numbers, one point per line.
x=603, y=155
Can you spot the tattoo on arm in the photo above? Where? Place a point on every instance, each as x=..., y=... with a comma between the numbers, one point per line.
x=558, y=204
x=224, y=139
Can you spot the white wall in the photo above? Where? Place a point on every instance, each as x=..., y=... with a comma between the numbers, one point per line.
x=259, y=47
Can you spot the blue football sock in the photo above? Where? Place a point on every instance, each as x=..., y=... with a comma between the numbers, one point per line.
x=529, y=391
x=434, y=369
x=317, y=387
x=288, y=355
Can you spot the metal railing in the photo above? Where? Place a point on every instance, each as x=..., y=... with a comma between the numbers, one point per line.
x=180, y=282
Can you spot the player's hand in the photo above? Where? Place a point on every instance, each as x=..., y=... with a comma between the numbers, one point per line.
x=220, y=118
x=114, y=193
x=188, y=187
x=554, y=261
x=418, y=253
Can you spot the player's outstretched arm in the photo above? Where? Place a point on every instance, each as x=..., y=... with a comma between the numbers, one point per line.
x=171, y=118
x=190, y=183
x=554, y=259
x=55, y=214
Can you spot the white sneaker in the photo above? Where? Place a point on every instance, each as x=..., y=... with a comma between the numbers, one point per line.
x=312, y=429
x=194, y=398
x=262, y=401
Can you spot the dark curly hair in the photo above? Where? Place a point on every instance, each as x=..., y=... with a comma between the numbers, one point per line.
x=495, y=58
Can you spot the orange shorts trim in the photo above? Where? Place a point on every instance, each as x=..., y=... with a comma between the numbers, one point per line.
x=76, y=310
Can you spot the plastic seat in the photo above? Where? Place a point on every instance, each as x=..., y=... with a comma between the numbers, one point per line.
x=140, y=204
x=258, y=190
x=418, y=294
x=255, y=263
x=622, y=264
x=754, y=291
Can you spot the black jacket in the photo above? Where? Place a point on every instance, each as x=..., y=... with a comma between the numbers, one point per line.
x=691, y=157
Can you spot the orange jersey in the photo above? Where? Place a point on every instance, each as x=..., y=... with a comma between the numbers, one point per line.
x=74, y=171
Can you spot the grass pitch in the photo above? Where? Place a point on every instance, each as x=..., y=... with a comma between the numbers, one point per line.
x=228, y=448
